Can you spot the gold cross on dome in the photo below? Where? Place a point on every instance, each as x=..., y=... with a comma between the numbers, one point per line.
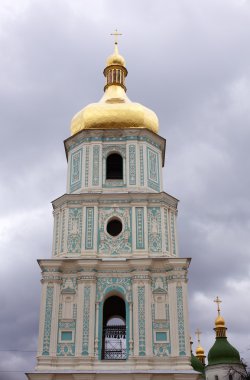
x=198, y=333
x=218, y=301
x=116, y=34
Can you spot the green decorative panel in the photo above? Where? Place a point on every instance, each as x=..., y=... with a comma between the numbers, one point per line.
x=74, y=311
x=153, y=169
x=105, y=284
x=159, y=282
x=108, y=244
x=161, y=348
x=173, y=233
x=95, y=168
x=56, y=243
x=166, y=230
x=180, y=317
x=160, y=336
x=64, y=347
x=63, y=231
x=75, y=230
x=66, y=336
x=89, y=228
x=60, y=311
x=87, y=166
x=86, y=316
x=139, y=220
x=141, y=167
x=76, y=170
x=48, y=319
x=154, y=229
x=141, y=320
x=132, y=165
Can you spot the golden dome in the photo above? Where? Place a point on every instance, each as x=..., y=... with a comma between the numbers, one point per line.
x=219, y=322
x=114, y=110
x=116, y=58
x=199, y=351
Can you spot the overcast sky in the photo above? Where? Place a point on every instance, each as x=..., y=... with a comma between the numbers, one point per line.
x=188, y=60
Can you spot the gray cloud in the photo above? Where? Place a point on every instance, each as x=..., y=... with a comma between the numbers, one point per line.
x=186, y=60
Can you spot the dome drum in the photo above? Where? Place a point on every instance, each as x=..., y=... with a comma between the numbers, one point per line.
x=115, y=75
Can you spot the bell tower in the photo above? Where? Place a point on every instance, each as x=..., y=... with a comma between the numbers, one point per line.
x=114, y=293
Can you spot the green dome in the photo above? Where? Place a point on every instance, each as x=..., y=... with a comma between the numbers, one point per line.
x=223, y=352
x=196, y=364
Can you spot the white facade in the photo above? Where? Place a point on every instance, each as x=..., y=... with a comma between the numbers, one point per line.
x=225, y=372
x=139, y=266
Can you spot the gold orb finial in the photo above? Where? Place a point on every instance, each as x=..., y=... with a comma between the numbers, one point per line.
x=220, y=326
x=200, y=353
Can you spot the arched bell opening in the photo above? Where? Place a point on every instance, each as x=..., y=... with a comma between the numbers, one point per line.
x=114, y=166
x=114, y=329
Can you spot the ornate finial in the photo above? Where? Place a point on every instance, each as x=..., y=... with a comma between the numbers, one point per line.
x=200, y=353
x=191, y=344
x=116, y=34
x=218, y=301
x=198, y=333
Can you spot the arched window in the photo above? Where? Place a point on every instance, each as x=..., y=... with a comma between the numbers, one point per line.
x=114, y=166
x=114, y=329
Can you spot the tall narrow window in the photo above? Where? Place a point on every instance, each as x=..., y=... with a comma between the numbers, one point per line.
x=114, y=166
x=114, y=329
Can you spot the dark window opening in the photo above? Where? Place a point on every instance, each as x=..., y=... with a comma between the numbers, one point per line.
x=114, y=227
x=114, y=329
x=114, y=166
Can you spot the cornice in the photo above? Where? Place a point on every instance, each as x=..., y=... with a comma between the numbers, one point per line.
x=101, y=135
x=171, y=266
x=131, y=199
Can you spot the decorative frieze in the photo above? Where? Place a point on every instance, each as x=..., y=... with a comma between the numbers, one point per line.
x=76, y=170
x=66, y=338
x=180, y=318
x=75, y=230
x=166, y=229
x=172, y=220
x=89, y=228
x=142, y=167
x=114, y=283
x=141, y=320
x=63, y=231
x=87, y=166
x=132, y=165
x=154, y=229
x=86, y=316
x=48, y=320
x=153, y=169
x=139, y=220
x=56, y=233
x=95, y=168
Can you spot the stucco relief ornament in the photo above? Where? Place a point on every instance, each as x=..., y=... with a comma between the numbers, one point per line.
x=114, y=244
x=69, y=285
